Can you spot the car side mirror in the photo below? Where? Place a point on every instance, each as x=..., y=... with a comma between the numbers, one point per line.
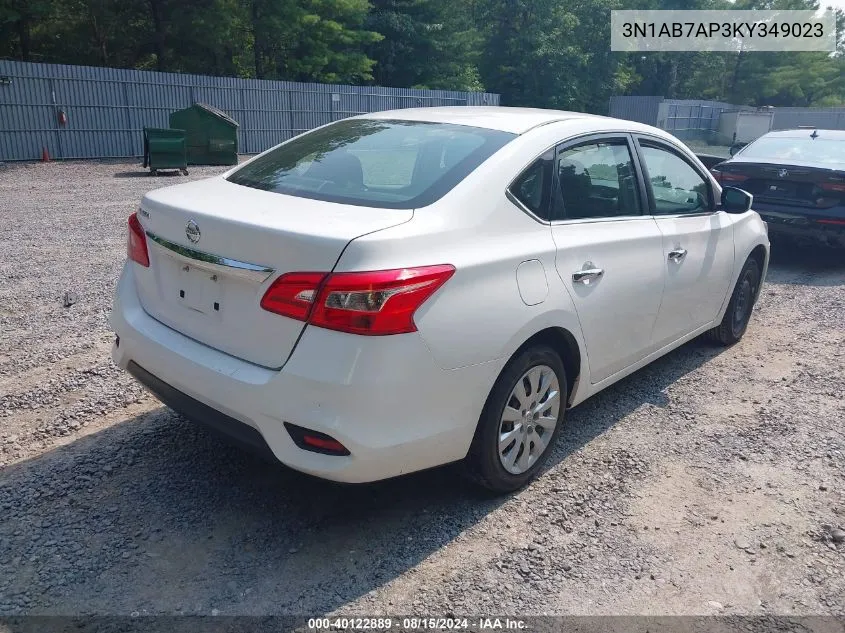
x=736, y=200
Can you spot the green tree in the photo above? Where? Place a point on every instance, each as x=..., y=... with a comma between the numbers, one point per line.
x=18, y=21
x=426, y=43
x=311, y=40
x=552, y=53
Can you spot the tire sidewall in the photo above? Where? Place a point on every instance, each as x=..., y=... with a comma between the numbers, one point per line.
x=751, y=273
x=485, y=450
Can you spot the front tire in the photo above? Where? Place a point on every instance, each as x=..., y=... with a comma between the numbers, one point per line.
x=736, y=318
x=520, y=421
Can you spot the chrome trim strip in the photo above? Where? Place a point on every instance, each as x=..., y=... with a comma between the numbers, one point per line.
x=206, y=261
x=518, y=204
x=604, y=218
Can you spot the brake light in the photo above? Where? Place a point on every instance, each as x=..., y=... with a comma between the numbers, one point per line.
x=292, y=295
x=374, y=303
x=136, y=245
x=833, y=186
x=727, y=176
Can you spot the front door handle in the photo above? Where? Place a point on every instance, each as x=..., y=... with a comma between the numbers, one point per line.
x=587, y=275
x=677, y=255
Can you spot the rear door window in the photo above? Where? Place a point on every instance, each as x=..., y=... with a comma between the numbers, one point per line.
x=376, y=163
x=597, y=180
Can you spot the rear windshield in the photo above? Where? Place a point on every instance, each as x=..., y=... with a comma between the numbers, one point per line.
x=817, y=150
x=374, y=163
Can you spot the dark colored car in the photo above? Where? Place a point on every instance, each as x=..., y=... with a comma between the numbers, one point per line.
x=797, y=178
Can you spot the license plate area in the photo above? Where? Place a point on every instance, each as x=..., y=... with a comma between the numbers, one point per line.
x=198, y=289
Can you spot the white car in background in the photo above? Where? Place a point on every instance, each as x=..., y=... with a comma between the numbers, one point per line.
x=405, y=289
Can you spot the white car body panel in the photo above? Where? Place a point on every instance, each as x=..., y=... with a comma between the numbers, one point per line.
x=694, y=287
x=616, y=312
x=513, y=279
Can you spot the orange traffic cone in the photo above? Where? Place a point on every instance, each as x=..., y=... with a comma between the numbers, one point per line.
x=45, y=155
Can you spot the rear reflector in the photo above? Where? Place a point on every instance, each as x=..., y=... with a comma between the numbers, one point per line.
x=315, y=441
x=839, y=222
x=375, y=303
x=136, y=246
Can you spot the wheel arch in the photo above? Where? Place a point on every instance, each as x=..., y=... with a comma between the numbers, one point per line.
x=566, y=345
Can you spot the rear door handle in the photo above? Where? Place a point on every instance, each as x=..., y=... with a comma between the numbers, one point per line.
x=585, y=276
x=677, y=255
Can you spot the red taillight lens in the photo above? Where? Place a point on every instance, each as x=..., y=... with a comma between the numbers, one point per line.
x=377, y=303
x=292, y=295
x=374, y=303
x=833, y=186
x=726, y=176
x=136, y=246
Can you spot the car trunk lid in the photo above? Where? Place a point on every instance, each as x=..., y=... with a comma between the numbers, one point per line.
x=216, y=246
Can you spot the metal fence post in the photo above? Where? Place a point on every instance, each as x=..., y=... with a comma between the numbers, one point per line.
x=55, y=117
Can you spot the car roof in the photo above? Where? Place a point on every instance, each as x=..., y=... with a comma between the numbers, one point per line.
x=806, y=132
x=505, y=119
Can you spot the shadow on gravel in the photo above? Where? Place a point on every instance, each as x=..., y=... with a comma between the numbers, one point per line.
x=145, y=173
x=154, y=515
x=803, y=264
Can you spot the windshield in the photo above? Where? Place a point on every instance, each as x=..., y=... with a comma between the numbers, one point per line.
x=817, y=150
x=369, y=162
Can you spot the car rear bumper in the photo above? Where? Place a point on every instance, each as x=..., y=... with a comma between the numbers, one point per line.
x=827, y=227
x=383, y=398
x=234, y=430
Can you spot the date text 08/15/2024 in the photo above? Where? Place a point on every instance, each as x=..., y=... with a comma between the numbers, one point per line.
x=416, y=624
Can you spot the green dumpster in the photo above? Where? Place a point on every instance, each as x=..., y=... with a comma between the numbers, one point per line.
x=165, y=149
x=211, y=134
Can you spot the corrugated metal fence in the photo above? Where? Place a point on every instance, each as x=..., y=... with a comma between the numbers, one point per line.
x=631, y=108
x=106, y=108
x=695, y=119
x=823, y=118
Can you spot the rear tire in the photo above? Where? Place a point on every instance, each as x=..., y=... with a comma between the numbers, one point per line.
x=736, y=318
x=520, y=421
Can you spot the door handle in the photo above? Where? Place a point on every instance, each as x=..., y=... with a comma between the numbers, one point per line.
x=585, y=276
x=677, y=255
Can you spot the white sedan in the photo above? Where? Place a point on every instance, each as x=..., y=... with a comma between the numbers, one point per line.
x=406, y=289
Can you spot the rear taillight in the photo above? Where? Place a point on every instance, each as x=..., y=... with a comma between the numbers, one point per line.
x=136, y=246
x=833, y=186
x=373, y=303
x=292, y=295
x=726, y=176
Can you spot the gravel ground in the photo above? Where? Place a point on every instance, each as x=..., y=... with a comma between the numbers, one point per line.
x=711, y=482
